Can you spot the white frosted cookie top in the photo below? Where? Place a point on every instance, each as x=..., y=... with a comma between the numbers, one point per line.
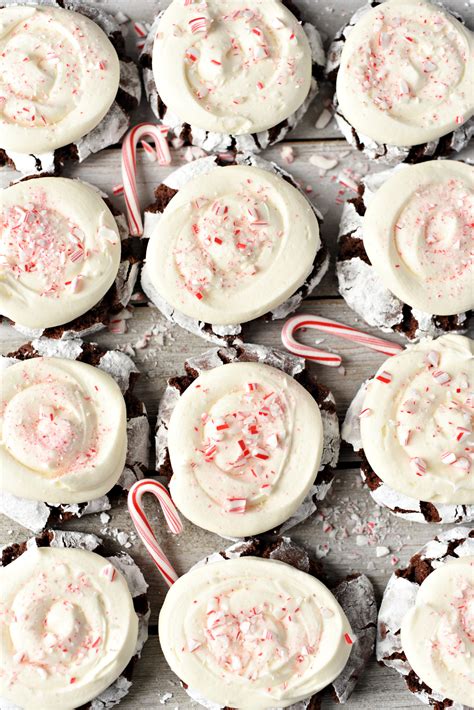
x=416, y=422
x=253, y=633
x=418, y=236
x=68, y=628
x=59, y=251
x=438, y=632
x=245, y=442
x=235, y=67
x=62, y=431
x=406, y=73
x=59, y=75
x=232, y=244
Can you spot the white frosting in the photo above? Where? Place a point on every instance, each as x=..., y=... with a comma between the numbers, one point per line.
x=232, y=245
x=62, y=431
x=59, y=251
x=236, y=73
x=416, y=429
x=245, y=442
x=437, y=633
x=405, y=76
x=59, y=75
x=253, y=633
x=68, y=628
x=418, y=235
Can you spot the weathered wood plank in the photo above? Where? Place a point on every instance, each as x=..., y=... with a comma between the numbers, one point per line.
x=158, y=362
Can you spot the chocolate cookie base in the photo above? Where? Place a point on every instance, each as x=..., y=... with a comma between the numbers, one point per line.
x=115, y=299
x=362, y=288
x=400, y=596
x=220, y=142
x=291, y=365
x=355, y=594
x=113, y=125
x=37, y=515
x=442, y=147
x=399, y=504
x=225, y=335
x=138, y=588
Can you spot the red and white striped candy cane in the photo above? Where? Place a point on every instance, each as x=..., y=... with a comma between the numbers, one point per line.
x=332, y=327
x=129, y=167
x=143, y=527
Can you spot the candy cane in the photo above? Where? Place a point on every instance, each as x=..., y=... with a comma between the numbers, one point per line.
x=129, y=167
x=143, y=527
x=332, y=327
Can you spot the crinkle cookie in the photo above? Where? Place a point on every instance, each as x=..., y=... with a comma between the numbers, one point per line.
x=424, y=627
x=229, y=243
x=74, y=622
x=67, y=87
x=67, y=262
x=403, y=71
x=412, y=426
x=249, y=438
x=260, y=617
x=404, y=259
x=233, y=76
x=74, y=436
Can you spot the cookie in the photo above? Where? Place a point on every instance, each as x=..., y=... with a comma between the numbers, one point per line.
x=249, y=438
x=248, y=624
x=402, y=71
x=230, y=244
x=412, y=427
x=67, y=261
x=114, y=440
x=75, y=586
x=403, y=260
x=69, y=93
x=423, y=624
x=235, y=81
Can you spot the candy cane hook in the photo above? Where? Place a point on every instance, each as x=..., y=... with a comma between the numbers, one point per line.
x=143, y=527
x=332, y=327
x=129, y=168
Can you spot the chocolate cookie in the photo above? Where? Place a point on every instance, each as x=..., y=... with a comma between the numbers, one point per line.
x=136, y=583
x=291, y=365
x=37, y=515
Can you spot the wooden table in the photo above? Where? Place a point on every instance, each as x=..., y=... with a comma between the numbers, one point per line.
x=348, y=508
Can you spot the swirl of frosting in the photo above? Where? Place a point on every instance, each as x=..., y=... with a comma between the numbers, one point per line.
x=418, y=236
x=245, y=442
x=417, y=421
x=59, y=251
x=253, y=633
x=62, y=431
x=238, y=68
x=406, y=72
x=437, y=633
x=59, y=75
x=68, y=628
x=232, y=244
